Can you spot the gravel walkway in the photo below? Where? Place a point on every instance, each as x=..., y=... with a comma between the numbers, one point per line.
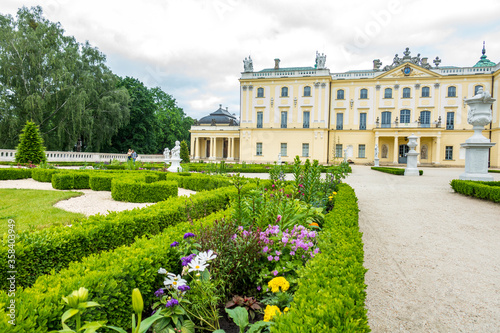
x=433, y=256
x=92, y=202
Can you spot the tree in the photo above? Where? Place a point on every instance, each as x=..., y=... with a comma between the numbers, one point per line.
x=184, y=154
x=61, y=85
x=30, y=147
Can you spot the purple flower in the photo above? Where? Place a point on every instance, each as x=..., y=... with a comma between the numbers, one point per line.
x=275, y=272
x=259, y=288
x=316, y=250
x=265, y=249
x=187, y=260
x=159, y=292
x=174, y=244
x=270, y=258
x=292, y=253
x=277, y=258
x=188, y=234
x=172, y=302
x=184, y=287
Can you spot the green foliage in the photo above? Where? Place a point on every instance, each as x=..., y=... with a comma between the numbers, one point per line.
x=199, y=182
x=59, y=84
x=184, y=154
x=101, y=182
x=395, y=171
x=331, y=292
x=14, y=173
x=43, y=175
x=30, y=148
x=63, y=181
x=483, y=190
x=132, y=191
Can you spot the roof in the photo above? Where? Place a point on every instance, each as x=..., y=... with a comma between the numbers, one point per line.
x=287, y=69
x=484, y=61
x=220, y=117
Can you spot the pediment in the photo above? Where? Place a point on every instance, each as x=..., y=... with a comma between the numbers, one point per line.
x=412, y=71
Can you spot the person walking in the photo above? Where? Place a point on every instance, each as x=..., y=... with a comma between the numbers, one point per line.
x=134, y=155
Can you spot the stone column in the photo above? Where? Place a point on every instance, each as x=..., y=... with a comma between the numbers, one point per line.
x=438, y=149
x=396, y=149
x=197, y=149
x=230, y=155
x=212, y=149
x=419, y=147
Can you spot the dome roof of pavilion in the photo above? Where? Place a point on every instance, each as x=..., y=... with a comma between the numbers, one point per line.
x=219, y=117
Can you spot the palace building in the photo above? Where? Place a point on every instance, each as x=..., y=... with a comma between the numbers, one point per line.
x=318, y=114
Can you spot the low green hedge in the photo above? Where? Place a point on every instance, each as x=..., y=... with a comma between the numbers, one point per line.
x=63, y=181
x=494, y=170
x=331, y=292
x=133, y=191
x=199, y=182
x=395, y=171
x=101, y=181
x=42, y=251
x=483, y=190
x=43, y=175
x=14, y=173
x=110, y=278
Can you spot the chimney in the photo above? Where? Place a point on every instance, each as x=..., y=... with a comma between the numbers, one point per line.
x=227, y=108
x=276, y=63
x=220, y=106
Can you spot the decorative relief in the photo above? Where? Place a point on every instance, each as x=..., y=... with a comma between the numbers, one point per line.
x=244, y=88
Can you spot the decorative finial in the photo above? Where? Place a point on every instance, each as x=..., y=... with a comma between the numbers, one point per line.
x=484, y=48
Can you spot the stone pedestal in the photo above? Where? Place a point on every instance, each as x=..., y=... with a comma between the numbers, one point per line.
x=377, y=161
x=176, y=165
x=411, y=157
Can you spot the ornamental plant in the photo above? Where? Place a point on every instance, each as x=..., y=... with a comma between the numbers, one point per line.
x=30, y=148
x=278, y=295
x=184, y=153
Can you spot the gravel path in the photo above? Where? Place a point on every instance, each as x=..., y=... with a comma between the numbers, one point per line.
x=92, y=202
x=433, y=256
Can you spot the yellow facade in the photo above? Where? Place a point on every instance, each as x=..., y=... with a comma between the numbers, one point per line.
x=315, y=113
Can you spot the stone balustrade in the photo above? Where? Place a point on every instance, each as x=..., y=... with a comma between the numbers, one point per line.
x=8, y=155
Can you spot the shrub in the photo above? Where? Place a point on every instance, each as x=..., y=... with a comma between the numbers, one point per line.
x=14, y=173
x=43, y=175
x=101, y=182
x=63, y=181
x=132, y=191
x=394, y=171
x=483, y=190
x=81, y=180
x=30, y=147
x=184, y=153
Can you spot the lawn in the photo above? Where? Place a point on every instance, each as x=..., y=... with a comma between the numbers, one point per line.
x=34, y=208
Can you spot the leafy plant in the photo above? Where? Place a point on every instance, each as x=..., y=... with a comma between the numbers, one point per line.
x=184, y=153
x=240, y=318
x=249, y=303
x=30, y=148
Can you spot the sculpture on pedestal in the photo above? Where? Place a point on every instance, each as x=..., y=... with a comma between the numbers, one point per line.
x=166, y=154
x=376, y=160
x=411, y=157
x=176, y=159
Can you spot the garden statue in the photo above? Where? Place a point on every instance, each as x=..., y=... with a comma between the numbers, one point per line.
x=477, y=146
x=176, y=151
x=376, y=160
x=279, y=159
x=176, y=158
x=411, y=161
x=166, y=153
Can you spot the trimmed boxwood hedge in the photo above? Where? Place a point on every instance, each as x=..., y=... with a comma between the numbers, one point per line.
x=483, y=190
x=395, y=171
x=43, y=175
x=133, y=191
x=52, y=249
x=198, y=182
x=331, y=292
x=14, y=173
x=63, y=181
x=110, y=278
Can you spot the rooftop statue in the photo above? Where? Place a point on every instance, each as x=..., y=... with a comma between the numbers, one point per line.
x=248, y=65
x=397, y=61
x=320, y=60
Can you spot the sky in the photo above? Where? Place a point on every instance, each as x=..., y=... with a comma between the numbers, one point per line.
x=194, y=49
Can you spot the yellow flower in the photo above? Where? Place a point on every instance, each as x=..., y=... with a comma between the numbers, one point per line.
x=330, y=198
x=286, y=309
x=334, y=193
x=270, y=312
x=278, y=282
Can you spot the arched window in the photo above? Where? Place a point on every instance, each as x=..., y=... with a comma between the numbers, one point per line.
x=405, y=116
x=388, y=93
x=363, y=94
x=406, y=93
x=307, y=91
x=260, y=92
x=476, y=89
x=284, y=92
x=425, y=92
x=386, y=119
x=340, y=94
x=425, y=119
x=452, y=91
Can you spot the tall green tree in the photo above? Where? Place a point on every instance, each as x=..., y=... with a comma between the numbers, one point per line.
x=30, y=148
x=139, y=134
x=62, y=85
x=184, y=153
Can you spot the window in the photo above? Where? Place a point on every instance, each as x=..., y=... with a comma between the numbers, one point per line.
x=338, y=150
x=452, y=92
x=363, y=94
x=388, y=93
x=476, y=89
x=425, y=119
x=259, y=119
x=425, y=92
x=448, y=153
x=306, y=119
x=305, y=150
x=259, y=149
x=260, y=92
x=386, y=119
x=340, y=94
x=406, y=93
x=450, y=120
x=362, y=121
x=307, y=91
x=283, y=149
x=361, y=151
x=284, y=117
x=405, y=116
x=284, y=92
x=340, y=121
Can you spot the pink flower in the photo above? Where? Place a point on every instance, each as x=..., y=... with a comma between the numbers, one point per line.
x=270, y=258
x=278, y=219
x=277, y=258
x=300, y=185
x=292, y=253
x=265, y=249
x=275, y=272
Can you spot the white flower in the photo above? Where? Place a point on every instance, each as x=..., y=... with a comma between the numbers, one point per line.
x=162, y=271
x=197, y=264
x=207, y=255
x=174, y=280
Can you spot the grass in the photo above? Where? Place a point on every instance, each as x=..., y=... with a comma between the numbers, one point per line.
x=34, y=209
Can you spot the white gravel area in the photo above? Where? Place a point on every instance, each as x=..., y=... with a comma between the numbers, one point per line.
x=433, y=256
x=90, y=203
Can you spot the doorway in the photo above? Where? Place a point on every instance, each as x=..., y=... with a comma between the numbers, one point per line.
x=403, y=150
